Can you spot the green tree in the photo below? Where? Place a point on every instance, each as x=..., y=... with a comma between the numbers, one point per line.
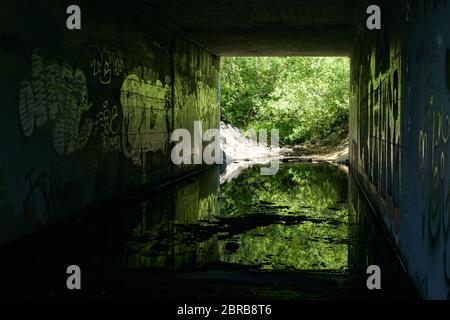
x=306, y=98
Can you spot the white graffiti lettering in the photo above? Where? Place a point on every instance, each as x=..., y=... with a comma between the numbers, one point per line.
x=144, y=127
x=106, y=64
x=56, y=97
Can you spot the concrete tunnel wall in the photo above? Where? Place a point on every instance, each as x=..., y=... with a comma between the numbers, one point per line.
x=87, y=115
x=399, y=127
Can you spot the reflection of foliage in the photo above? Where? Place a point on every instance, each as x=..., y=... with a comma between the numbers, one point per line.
x=317, y=191
x=167, y=235
x=171, y=250
x=296, y=219
x=317, y=186
x=303, y=246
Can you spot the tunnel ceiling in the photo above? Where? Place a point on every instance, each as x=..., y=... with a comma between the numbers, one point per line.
x=258, y=27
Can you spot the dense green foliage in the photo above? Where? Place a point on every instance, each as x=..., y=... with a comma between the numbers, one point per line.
x=306, y=98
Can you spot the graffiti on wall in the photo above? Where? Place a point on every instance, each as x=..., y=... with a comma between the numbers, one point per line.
x=423, y=72
x=145, y=107
x=193, y=105
x=432, y=150
x=376, y=86
x=54, y=99
x=44, y=188
x=107, y=127
x=195, y=91
x=39, y=187
x=427, y=189
x=106, y=64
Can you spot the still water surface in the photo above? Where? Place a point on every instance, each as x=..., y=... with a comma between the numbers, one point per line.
x=304, y=233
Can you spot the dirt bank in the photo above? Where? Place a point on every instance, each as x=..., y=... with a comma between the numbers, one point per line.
x=337, y=153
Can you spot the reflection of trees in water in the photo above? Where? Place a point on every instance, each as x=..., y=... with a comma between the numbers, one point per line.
x=161, y=240
x=173, y=232
x=318, y=186
x=306, y=246
x=316, y=191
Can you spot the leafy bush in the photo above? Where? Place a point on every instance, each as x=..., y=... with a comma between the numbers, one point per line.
x=306, y=98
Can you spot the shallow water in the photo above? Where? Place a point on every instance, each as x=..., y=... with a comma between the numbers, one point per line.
x=298, y=217
x=306, y=232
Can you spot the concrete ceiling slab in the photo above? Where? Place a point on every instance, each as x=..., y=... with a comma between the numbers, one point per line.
x=262, y=27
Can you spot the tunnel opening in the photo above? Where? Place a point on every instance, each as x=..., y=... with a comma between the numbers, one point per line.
x=305, y=98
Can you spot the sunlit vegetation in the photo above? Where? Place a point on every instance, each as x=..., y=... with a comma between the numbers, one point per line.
x=306, y=98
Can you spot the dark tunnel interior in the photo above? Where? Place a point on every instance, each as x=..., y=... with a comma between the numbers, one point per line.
x=94, y=92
